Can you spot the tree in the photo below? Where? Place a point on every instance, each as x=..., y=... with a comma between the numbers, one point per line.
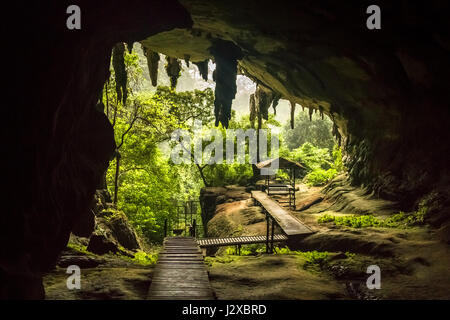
x=316, y=131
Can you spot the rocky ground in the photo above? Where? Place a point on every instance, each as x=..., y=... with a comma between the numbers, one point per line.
x=330, y=264
x=414, y=259
x=106, y=277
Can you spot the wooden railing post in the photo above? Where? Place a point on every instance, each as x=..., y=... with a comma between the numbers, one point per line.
x=165, y=228
x=194, y=227
x=267, y=233
x=271, y=236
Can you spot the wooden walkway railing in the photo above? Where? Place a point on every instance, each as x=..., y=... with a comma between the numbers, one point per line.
x=221, y=242
x=180, y=273
x=290, y=225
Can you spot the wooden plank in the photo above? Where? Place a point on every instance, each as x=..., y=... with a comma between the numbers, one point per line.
x=180, y=272
x=289, y=224
x=217, y=242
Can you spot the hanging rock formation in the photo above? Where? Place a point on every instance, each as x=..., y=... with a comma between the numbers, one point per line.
x=276, y=99
x=120, y=72
x=225, y=54
x=152, y=63
x=203, y=69
x=173, y=69
x=293, y=114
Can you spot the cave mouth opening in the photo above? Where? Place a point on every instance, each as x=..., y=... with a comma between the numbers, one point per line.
x=386, y=91
x=313, y=138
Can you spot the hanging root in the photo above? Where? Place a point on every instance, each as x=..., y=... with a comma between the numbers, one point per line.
x=120, y=72
x=152, y=64
x=253, y=110
x=292, y=113
x=173, y=69
x=225, y=55
x=203, y=69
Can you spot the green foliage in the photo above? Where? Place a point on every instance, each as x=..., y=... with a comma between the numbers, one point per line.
x=313, y=259
x=321, y=165
x=320, y=176
x=141, y=258
x=352, y=221
x=404, y=219
x=211, y=261
x=79, y=248
x=316, y=132
x=312, y=157
x=144, y=258
x=398, y=220
x=247, y=250
x=148, y=184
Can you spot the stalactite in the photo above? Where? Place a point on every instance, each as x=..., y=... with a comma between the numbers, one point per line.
x=337, y=134
x=225, y=78
x=276, y=99
x=225, y=55
x=203, y=69
x=173, y=69
x=263, y=99
x=130, y=46
x=152, y=64
x=321, y=111
x=187, y=58
x=292, y=114
x=120, y=72
x=253, y=110
x=311, y=110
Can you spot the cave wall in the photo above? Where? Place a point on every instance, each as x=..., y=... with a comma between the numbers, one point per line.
x=387, y=91
x=60, y=145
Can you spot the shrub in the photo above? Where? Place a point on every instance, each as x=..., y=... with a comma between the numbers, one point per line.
x=352, y=221
x=320, y=176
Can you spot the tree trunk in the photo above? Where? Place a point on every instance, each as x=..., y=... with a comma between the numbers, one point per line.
x=116, y=179
x=200, y=170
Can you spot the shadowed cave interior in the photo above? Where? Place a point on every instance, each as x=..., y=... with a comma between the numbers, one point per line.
x=386, y=91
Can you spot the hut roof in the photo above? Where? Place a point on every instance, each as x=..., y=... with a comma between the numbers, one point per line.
x=283, y=163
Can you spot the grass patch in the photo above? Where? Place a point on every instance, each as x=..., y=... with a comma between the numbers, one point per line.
x=141, y=258
x=352, y=221
x=210, y=261
x=311, y=260
x=399, y=220
x=247, y=250
x=79, y=248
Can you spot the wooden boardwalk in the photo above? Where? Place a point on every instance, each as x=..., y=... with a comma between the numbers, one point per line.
x=180, y=273
x=220, y=242
x=291, y=226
